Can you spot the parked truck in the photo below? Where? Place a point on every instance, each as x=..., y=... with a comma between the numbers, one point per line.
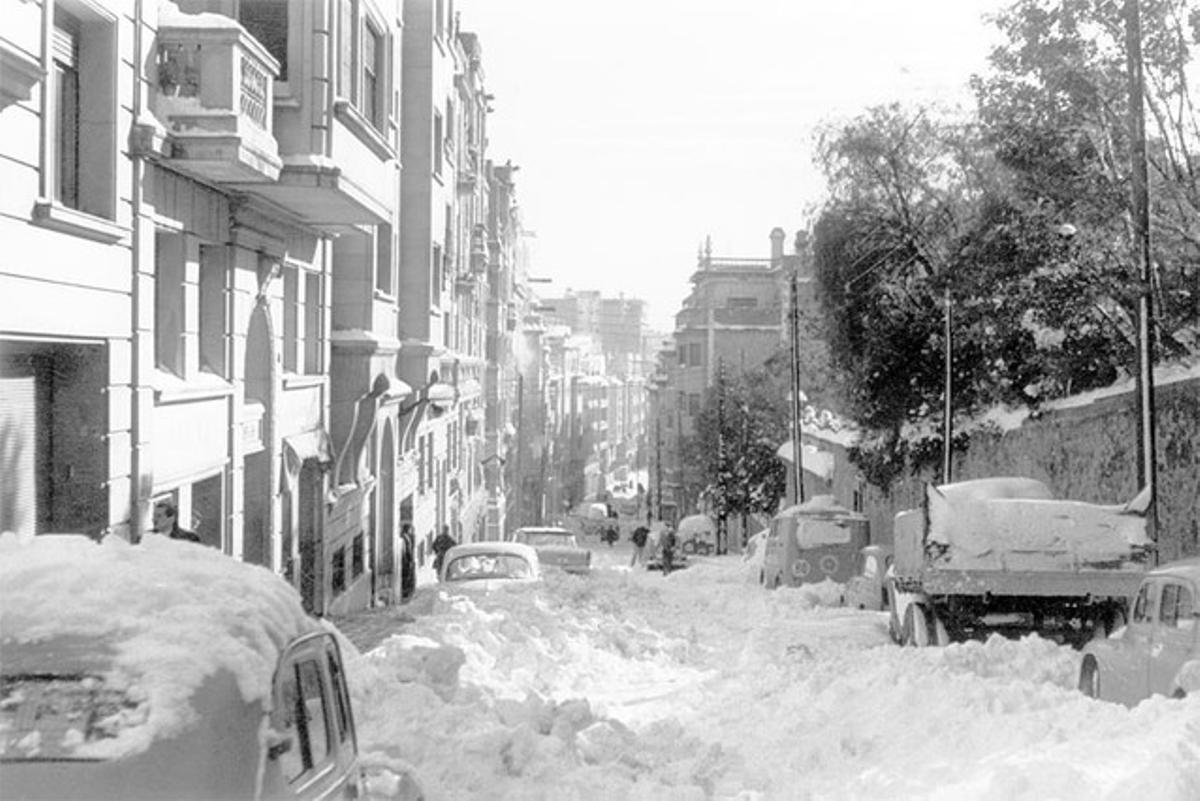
x=1004, y=555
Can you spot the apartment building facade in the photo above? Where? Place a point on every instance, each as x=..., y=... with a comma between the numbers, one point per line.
x=211, y=298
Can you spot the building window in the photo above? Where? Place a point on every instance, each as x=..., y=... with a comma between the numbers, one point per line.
x=693, y=404
x=694, y=355
x=372, y=67
x=312, y=322
x=66, y=97
x=435, y=287
x=291, y=317
x=438, y=135
x=383, y=259
x=356, y=556
x=683, y=356
x=267, y=21
x=421, y=465
x=212, y=308
x=338, y=571
x=169, y=302
x=81, y=141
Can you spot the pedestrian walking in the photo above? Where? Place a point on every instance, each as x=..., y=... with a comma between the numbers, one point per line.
x=638, y=538
x=666, y=542
x=443, y=543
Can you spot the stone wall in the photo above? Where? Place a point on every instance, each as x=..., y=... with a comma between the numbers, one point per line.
x=1083, y=451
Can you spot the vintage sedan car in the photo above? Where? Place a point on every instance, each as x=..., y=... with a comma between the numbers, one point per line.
x=556, y=547
x=165, y=671
x=867, y=588
x=1158, y=651
x=487, y=566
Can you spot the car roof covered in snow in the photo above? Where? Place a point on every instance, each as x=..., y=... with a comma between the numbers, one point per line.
x=169, y=613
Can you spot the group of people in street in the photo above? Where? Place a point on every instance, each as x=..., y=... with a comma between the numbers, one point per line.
x=640, y=537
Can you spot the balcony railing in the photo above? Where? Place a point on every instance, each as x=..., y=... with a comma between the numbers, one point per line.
x=215, y=85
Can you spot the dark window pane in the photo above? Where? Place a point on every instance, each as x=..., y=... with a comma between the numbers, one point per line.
x=356, y=556
x=340, y=697
x=339, y=570
x=67, y=80
x=312, y=691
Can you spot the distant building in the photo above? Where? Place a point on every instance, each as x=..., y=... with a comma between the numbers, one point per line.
x=617, y=324
x=736, y=315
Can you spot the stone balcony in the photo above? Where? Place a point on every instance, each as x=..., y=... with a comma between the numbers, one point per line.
x=215, y=98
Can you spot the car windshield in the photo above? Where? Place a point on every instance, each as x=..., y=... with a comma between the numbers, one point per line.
x=44, y=716
x=548, y=538
x=488, y=566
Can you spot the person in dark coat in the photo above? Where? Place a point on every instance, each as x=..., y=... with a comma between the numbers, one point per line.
x=666, y=543
x=443, y=543
x=639, y=537
x=166, y=521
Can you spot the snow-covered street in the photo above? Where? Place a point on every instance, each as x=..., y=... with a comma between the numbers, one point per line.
x=630, y=685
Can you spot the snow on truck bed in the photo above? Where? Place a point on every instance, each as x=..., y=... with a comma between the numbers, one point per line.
x=1017, y=525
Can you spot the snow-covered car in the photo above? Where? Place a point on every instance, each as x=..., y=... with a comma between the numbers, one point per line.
x=867, y=588
x=1158, y=651
x=486, y=566
x=556, y=547
x=161, y=670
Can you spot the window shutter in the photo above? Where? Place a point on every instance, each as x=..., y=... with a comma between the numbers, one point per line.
x=64, y=46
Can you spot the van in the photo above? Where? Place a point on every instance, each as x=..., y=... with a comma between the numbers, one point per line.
x=812, y=542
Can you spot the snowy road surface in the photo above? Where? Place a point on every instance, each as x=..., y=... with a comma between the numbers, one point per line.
x=700, y=685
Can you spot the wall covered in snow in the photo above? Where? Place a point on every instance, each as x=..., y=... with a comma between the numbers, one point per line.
x=1085, y=452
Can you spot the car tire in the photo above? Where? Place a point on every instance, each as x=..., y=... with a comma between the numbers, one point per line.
x=1089, y=677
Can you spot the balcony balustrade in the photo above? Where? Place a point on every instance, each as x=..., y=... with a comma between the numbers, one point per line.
x=214, y=95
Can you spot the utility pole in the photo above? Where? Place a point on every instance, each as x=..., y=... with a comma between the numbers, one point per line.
x=522, y=514
x=794, y=336
x=722, y=485
x=657, y=461
x=1140, y=196
x=948, y=405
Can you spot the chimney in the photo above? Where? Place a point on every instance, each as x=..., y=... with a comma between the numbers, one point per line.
x=776, y=246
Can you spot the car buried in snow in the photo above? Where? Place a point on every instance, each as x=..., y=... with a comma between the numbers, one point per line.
x=168, y=671
x=1158, y=651
x=487, y=566
x=867, y=588
x=556, y=547
x=813, y=542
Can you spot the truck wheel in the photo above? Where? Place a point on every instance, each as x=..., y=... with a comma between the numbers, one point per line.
x=916, y=627
x=937, y=631
x=1089, y=677
x=895, y=631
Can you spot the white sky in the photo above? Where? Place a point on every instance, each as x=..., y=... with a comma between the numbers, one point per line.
x=641, y=126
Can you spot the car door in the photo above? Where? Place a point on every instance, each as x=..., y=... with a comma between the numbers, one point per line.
x=313, y=750
x=1174, y=636
x=1131, y=682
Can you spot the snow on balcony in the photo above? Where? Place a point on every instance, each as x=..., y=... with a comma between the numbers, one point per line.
x=214, y=94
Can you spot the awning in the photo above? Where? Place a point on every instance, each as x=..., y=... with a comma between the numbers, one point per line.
x=816, y=461
x=298, y=448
